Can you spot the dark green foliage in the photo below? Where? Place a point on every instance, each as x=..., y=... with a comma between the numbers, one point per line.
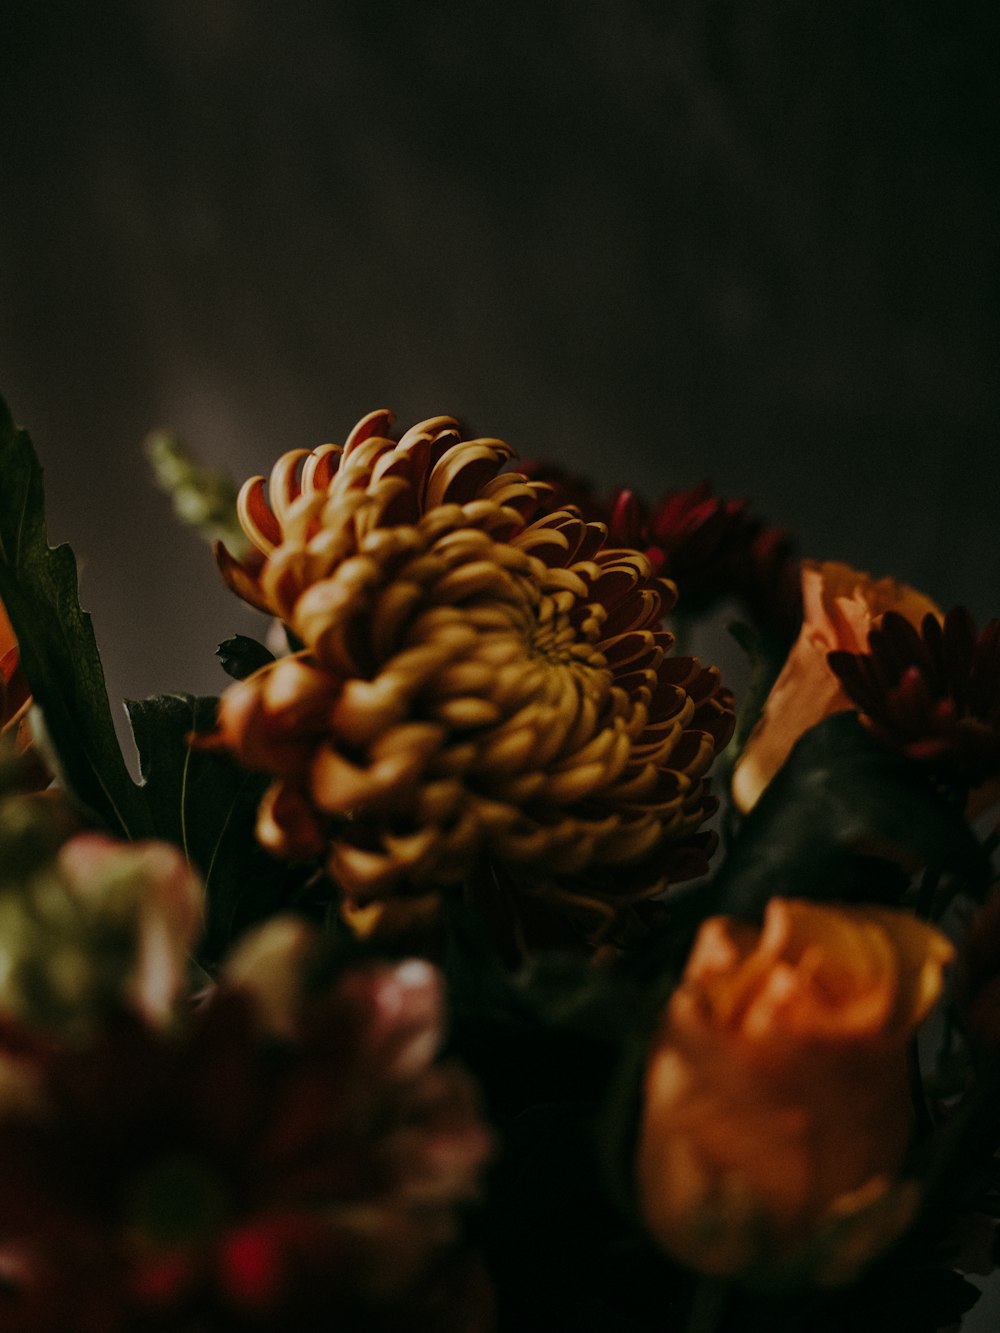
x=241, y=656
x=835, y=823
x=206, y=804
x=38, y=586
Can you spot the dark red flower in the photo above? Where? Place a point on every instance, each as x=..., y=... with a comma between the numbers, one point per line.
x=933, y=693
x=711, y=548
x=225, y=1178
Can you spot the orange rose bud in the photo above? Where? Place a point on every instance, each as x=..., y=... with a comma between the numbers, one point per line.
x=777, y=1110
x=840, y=606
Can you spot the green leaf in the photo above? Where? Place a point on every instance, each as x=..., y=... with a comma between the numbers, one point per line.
x=207, y=804
x=841, y=806
x=241, y=656
x=38, y=586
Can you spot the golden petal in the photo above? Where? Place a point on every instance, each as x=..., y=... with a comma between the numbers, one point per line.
x=455, y=759
x=524, y=842
x=509, y=751
x=548, y=545
x=339, y=786
x=417, y=665
x=631, y=842
x=467, y=712
x=522, y=789
x=433, y=428
x=571, y=785
x=497, y=639
x=392, y=501
x=500, y=521
x=630, y=651
x=287, y=823
x=636, y=782
x=480, y=578
x=632, y=682
x=601, y=743
x=514, y=492
x=461, y=472
x=284, y=576
x=465, y=677
x=320, y=467
x=593, y=540
x=363, y=874
x=377, y=423
x=566, y=581
x=366, y=708
x=642, y=609
x=408, y=850
x=584, y=711
x=463, y=840
x=358, y=463
x=283, y=486
x=439, y=800
x=256, y=518
x=241, y=579
x=464, y=544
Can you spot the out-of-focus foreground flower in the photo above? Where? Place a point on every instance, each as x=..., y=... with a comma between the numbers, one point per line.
x=102, y=924
x=229, y=1178
x=477, y=685
x=777, y=1110
x=931, y=691
x=841, y=605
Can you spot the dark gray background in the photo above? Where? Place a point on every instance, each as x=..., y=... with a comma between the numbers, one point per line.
x=753, y=240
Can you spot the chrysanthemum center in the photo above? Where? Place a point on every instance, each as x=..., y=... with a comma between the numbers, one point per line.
x=553, y=638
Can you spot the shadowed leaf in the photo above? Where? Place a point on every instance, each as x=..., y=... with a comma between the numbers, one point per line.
x=840, y=798
x=38, y=585
x=207, y=805
x=241, y=656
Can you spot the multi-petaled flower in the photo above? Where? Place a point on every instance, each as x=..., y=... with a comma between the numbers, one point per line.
x=478, y=685
x=777, y=1100
x=233, y=1177
x=932, y=692
x=101, y=924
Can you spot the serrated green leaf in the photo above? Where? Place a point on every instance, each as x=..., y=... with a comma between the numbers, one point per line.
x=839, y=797
x=207, y=804
x=38, y=586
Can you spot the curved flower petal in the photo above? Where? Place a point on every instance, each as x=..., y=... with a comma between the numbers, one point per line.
x=479, y=680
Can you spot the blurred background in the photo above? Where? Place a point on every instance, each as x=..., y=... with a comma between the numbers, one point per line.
x=748, y=240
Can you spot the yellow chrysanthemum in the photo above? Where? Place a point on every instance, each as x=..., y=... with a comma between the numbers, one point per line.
x=476, y=685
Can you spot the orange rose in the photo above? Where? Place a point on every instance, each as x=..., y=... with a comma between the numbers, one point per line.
x=777, y=1109
x=840, y=606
